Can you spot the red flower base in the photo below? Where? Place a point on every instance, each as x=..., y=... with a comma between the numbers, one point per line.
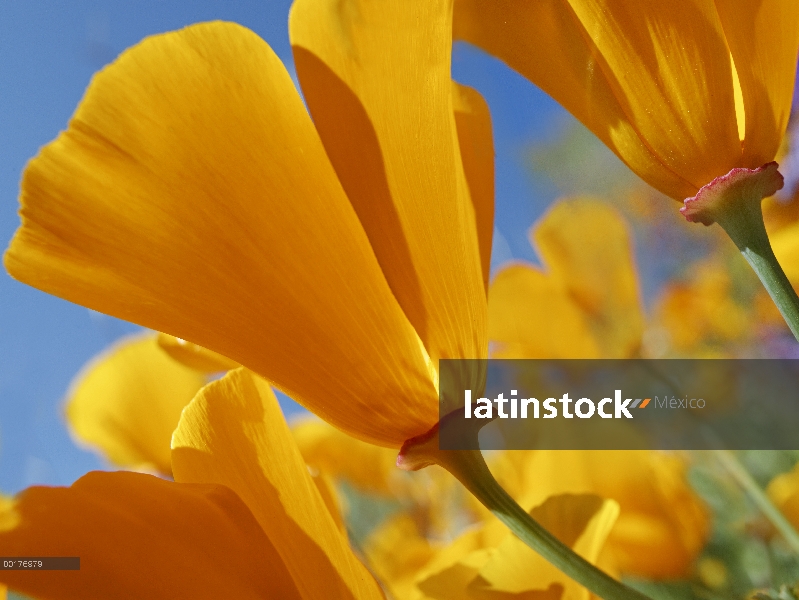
x=724, y=192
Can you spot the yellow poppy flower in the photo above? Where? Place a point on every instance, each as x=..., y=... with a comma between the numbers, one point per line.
x=339, y=258
x=127, y=402
x=585, y=303
x=243, y=519
x=662, y=525
x=683, y=92
x=488, y=562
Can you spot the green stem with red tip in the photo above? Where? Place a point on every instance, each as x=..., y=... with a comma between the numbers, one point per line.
x=734, y=202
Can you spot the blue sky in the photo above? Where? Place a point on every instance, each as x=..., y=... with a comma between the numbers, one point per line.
x=48, y=53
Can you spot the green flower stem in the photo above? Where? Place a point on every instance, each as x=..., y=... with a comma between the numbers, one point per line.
x=759, y=497
x=471, y=470
x=744, y=224
x=469, y=467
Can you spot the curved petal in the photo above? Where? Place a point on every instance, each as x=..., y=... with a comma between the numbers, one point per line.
x=233, y=433
x=476, y=141
x=531, y=315
x=110, y=520
x=127, y=402
x=376, y=77
x=586, y=245
x=544, y=41
x=194, y=356
x=763, y=36
x=191, y=194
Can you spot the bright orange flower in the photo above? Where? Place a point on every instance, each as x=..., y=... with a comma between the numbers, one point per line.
x=339, y=258
x=244, y=520
x=682, y=91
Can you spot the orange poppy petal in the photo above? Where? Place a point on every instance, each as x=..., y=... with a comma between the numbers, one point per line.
x=233, y=433
x=127, y=402
x=544, y=41
x=531, y=315
x=764, y=40
x=473, y=120
x=586, y=245
x=191, y=194
x=376, y=77
x=110, y=521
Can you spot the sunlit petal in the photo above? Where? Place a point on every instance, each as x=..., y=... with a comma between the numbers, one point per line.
x=671, y=72
x=476, y=142
x=209, y=545
x=233, y=433
x=191, y=194
x=763, y=37
x=127, y=403
x=376, y=77
x=545, y=42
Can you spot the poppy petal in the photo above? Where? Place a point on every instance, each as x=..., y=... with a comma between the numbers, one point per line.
x=234, y=434
x=127, y=402
x=376, y=77
x=665, y=65
x=191, y=195
x=109, y=521
x=476, y=141
x=531, y=315
x=586, y=245
x=763, y=37
x=544, y=41
x=194, y=356
x=581, y=521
